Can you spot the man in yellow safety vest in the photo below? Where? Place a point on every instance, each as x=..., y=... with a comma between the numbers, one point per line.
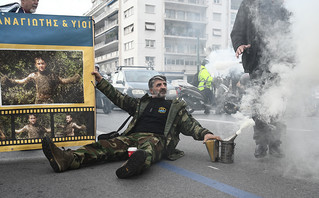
x=205, y=82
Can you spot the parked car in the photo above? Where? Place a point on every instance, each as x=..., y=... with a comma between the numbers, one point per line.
x=133, y=81
x=102, y=102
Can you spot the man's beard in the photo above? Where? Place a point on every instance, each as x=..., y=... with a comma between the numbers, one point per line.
x=160, y=94
x=32, y=10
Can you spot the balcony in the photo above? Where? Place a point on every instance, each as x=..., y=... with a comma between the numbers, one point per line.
x=198, y=3
x=109, y=43
x=107, y=57
x=187, y=18
x=185, y=36
x=107, y=12
x=185, y=53
x=109, y=26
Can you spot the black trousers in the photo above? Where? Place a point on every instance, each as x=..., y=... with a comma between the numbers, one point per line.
x=267, y=129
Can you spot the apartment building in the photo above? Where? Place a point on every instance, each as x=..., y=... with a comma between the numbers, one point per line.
x=170, y=35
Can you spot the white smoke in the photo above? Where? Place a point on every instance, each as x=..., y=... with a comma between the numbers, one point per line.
x=298, y=78
x=222, y=62
x=302, y=150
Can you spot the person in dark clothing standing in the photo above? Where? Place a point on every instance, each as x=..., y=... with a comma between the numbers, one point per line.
x=261, y=26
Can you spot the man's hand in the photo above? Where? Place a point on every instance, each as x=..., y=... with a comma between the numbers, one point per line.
x=241, y=49
x=97, y=76
x=210, y=136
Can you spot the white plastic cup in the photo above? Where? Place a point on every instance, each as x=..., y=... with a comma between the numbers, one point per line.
x=131, y=150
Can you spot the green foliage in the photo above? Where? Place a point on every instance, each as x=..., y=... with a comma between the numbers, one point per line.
x=5, y=125
x=18, y=64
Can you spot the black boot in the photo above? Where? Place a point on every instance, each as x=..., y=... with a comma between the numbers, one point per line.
x=261, y=151
x=133, y=166
x=60, y=160
x=275, y=151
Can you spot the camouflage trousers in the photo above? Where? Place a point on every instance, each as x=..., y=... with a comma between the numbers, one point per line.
x=115, y=149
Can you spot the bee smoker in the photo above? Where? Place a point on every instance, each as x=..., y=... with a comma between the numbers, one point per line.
x=222, y=151
x=227, y=149
x=213, y=149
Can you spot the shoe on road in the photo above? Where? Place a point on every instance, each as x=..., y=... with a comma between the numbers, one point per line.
x=60, y=160
x=133, y=166
x=260, y=151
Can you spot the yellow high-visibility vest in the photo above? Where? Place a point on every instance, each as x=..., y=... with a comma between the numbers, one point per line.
x=204, y=78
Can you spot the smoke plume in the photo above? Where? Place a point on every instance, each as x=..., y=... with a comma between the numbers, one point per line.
x=294, y=52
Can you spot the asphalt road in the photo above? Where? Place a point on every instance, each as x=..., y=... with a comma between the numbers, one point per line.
x=28, y=173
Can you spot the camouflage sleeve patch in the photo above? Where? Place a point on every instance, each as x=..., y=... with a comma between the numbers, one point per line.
x=189, y=126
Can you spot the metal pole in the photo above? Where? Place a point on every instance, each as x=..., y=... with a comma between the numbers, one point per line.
x=198, y=64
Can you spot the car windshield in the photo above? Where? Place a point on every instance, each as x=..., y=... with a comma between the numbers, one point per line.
x=139, y=75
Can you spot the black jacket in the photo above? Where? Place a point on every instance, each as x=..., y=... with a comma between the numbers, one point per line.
x=12, y=7
x=247, y=31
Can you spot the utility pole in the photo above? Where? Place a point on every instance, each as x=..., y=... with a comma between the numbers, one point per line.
x=198, y=64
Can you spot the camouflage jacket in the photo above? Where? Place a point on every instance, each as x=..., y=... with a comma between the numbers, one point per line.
x=178, y=120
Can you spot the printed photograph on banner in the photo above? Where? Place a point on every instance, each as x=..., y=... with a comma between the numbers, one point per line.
x=5, y=127
x=70, y=124
x=41, y=77
x=32, y=126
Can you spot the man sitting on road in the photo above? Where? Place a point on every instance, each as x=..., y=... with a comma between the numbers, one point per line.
x=154, y=130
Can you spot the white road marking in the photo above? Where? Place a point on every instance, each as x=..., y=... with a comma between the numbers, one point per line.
x=221, y=121
x=305, y=130
x=213, y=167
x=232, y=122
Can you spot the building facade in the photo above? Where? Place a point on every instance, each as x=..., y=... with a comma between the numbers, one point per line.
x=169, y=35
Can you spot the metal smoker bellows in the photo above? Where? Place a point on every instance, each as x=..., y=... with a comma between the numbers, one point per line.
x=213, y=149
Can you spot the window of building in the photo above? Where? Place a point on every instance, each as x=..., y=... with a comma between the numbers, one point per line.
x=169, y=47
x=150, y=9
x=180, y=48
x=128, y=12
x=150, y=26
x=235, y=4
x=192, y=48
x=170, y=61
x=232, y=18
x=179, y=61
x=150, y=60
x=217, y=32
x=193, y=16
x=189, y=62
x=170, y=13
x=180, y=15
x=128, y=45
x=129, y=29
x=217, y=16
x=217, y=1
x=149, y=43
x=129, y=61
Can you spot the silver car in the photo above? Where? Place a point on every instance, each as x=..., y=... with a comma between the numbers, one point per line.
x=133, y=81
